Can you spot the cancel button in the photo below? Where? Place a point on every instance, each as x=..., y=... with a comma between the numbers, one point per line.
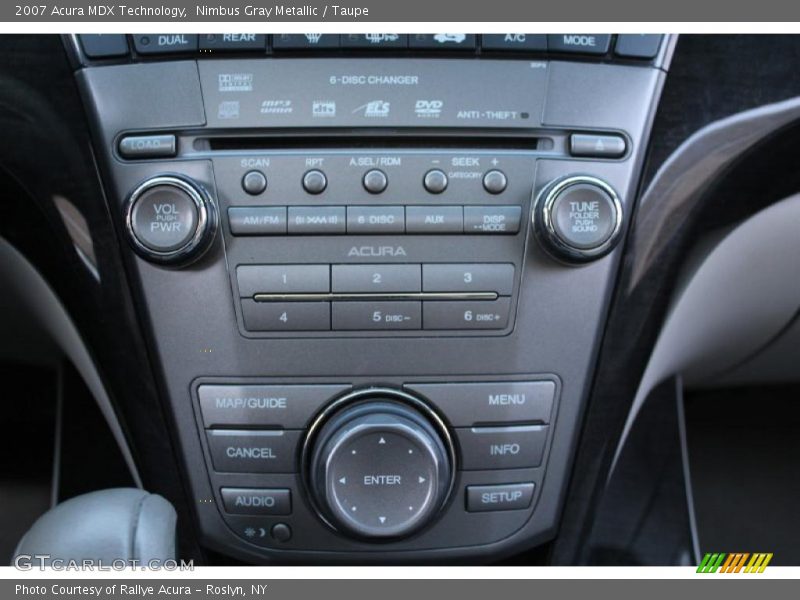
x=512, y=496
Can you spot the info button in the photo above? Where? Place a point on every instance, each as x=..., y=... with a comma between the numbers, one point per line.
x=287, y=406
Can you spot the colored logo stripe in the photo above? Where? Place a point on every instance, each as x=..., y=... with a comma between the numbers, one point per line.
x=734, y=562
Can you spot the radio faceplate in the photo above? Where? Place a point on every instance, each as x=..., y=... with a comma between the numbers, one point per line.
x=404, y=261
x=300, y=202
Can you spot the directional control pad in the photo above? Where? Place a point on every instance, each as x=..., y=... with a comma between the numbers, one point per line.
x=379, y=469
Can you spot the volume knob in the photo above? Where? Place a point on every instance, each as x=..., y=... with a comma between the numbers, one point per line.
x=170, y=220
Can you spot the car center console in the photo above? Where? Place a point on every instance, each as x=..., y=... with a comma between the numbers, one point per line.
x=375, y=271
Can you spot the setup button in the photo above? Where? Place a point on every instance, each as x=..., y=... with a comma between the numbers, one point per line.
x=513, y=496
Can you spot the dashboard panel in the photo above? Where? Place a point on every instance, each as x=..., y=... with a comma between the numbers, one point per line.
x=374, y=284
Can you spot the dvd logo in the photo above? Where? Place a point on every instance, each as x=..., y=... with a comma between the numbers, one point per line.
x=428, y=109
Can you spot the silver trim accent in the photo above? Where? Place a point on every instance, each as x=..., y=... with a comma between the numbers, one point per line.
x=311, y=297
x=542, y=221
x=207, y=221
x=365, y=395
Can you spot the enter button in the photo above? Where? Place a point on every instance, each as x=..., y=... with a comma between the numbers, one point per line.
x=514, y=496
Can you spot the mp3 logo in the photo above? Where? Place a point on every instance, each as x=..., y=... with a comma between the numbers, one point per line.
x=428, y=109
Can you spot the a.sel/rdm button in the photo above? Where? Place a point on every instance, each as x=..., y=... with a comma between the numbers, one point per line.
x=245, y=501
x=253, y=451
x=511, y=496
x=288, y=406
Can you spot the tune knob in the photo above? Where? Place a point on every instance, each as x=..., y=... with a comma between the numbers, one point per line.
x=170, y=220
x=578, y=218
x=380, y=466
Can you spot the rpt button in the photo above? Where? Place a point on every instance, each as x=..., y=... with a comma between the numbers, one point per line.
x=468, y=404
x=288, y=406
